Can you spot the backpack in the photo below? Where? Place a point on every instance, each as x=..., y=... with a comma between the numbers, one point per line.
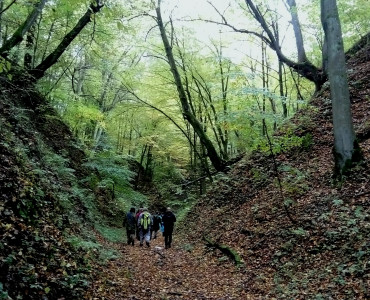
x=145, y=220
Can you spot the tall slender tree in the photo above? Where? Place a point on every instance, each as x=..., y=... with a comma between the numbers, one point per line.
x=213, y=155
x=345, y=145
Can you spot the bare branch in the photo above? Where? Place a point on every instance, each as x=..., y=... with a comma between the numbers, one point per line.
x=6, y=8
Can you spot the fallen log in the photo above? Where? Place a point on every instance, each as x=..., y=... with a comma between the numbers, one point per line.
x=226, y=250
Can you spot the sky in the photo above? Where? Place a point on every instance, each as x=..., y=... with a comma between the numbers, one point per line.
x=238, y=45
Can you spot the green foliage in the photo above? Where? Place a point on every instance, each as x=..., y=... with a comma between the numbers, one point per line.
x=5, y=67
x=58, y=165
x=183, y=208
x=259, y=176
x=113, y=169
x=116, y=235
x=294, y=181
x=3, y=294
x=111, y=180
x=79, y=243
x=129, y=197
x=286, y=143
x=98, y=252
x=300, y=232
x=168, y=179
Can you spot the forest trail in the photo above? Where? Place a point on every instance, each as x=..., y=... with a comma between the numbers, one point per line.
x=156, y=273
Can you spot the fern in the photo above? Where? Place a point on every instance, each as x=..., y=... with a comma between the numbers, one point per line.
x=58, y=165
x=112, y=168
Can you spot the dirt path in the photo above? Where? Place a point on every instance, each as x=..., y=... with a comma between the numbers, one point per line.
x=158, y=273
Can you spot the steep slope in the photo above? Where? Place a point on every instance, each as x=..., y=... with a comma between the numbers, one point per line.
x=307, y=237
x=41, y=200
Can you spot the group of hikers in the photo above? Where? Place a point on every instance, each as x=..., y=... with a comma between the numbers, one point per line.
x=144, y=226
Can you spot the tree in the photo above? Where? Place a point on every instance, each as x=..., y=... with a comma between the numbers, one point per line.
x=28, y=27
x=345, y=146
x=303, y=66
x=297, y=31
x=216, y=160
x=18, y=35
x=39, y=71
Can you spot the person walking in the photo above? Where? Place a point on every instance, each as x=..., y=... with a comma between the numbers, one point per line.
x=144, y=223
x=139, y=211
x=157, y=220
x=130, y=224
x=168, y=220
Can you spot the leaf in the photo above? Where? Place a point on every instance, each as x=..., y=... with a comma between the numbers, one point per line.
x=300, y=231
x=337, y=202
x=120, y=26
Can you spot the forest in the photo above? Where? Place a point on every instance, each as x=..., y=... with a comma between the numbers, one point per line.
x=249, y=119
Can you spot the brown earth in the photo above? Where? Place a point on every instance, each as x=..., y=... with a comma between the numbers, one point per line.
x=308, y=240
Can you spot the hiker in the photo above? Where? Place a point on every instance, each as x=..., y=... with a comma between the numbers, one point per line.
x=168, y=220
x=157, y=220
x=144, y=223
x=140, y=210
x=130, y=224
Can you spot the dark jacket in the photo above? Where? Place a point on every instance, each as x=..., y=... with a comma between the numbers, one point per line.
x=130, y=221
x=156, y=222
x=168, y=220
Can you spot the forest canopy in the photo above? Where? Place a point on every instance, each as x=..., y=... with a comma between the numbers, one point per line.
x=186, y=85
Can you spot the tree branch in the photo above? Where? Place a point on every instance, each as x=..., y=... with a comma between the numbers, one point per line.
x=6, y=8
x=22, y=30
x=53, y=57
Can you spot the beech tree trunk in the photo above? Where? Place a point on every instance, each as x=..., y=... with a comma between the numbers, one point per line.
x=217, y=162
x=281, y=91
x=22, y=30
x=30, y=41
x=224, y=133
x=345, y=146
x=297, y=31
x=53, y=57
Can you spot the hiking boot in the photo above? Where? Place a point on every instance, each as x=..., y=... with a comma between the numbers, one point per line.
x=147, y=244
x=141, y=244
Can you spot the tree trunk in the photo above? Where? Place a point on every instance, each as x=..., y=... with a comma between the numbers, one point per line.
x=149, y=164
x=217, y=162
x=264, y=60
x=207, y=104
x=53, y=57
x=224, y=134
x=22, y=30
x=345, y=146
x=30, y=41
x=1, y=22
x=281, y=90
x=297, y=31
